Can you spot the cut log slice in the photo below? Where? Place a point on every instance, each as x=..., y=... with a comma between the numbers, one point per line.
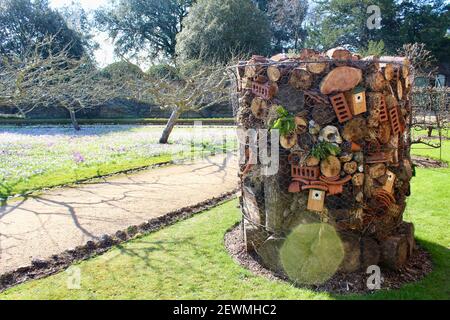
x=251, y=71
x=317, y=68
x=339, y=53
x=401, y=63
x=378, y=170
x=274, y=73
x=330, y=167
x=312, y=161
x=307, y=54
x=301, y=79
x=389, y=72
x=376, y=82
x=350, y=167
x=255, y=67
x=259, y=108
x=301, y=125
x=277, y=72
x=288, y=141
x=280, y=57
x=341, y=79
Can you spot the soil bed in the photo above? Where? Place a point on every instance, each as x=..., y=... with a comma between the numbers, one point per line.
x=418, y=266
x=424, y=162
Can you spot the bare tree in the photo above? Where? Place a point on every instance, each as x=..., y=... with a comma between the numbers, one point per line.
x=420, y=58
x=43, y=78
x=193, y=91
x=429, y=104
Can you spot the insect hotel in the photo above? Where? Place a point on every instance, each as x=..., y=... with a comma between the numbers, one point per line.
x=344, y=156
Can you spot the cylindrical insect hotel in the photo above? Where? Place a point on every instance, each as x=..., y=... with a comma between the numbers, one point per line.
x=331, y=195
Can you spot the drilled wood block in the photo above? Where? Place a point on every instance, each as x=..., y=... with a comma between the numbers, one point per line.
x=356, y=100
x=341, y=108
x=316, y=200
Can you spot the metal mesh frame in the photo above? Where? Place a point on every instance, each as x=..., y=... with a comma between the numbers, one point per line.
x=363, y=219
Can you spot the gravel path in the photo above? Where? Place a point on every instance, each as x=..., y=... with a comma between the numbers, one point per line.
x=64, y=218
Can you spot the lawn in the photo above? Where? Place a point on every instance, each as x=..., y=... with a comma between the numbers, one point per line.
x=188, y=260
x=36, y=157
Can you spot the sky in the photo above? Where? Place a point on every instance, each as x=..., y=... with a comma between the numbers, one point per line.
x=105, y=54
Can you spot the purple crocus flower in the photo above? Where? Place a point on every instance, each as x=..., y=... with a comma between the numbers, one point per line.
x=78, y=157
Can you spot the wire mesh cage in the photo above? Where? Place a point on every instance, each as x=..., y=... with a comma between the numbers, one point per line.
x=336, y=130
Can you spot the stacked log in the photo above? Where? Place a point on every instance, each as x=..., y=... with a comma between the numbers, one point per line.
x=343, y=159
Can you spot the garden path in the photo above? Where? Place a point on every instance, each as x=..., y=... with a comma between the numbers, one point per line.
x=63, y=218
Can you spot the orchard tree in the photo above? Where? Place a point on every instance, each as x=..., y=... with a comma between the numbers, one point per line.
x=148, y=26
x=196, y=90
x=43, y=78
x=219, y=29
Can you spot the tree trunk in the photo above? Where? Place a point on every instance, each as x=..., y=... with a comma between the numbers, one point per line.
x=430, y=132
x=170, y=125
x=74, y=121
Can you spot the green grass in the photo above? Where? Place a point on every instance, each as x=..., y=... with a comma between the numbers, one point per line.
x=131, y=121
x=33, y=158
x=188, y=261
x=67, y=176
x=72, y=175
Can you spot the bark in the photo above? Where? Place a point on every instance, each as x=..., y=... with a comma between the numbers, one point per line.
x=352, y=256
x=394, y=252
x=275, y=204
x=170, y=125
x=74, y=121
x=376, y=81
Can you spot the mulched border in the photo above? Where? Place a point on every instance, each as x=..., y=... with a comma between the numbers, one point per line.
x=416, y=269
x=424, y=162
x=56, y=263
